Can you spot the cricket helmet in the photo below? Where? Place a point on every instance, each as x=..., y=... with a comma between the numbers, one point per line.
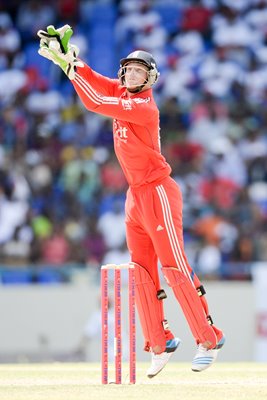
x=144, y=58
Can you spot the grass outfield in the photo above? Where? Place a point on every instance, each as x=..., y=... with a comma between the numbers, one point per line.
x=81, y=381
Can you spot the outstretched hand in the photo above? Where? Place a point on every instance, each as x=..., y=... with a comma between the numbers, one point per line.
x=61, y=35
x=55, y=46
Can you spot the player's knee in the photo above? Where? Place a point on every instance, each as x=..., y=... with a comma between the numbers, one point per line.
x=173, y=276
x=141, y=274
x=142, y=277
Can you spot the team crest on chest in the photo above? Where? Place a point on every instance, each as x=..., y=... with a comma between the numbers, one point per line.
x=126, y=104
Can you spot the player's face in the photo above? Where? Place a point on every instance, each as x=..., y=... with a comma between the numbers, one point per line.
x=135, y=74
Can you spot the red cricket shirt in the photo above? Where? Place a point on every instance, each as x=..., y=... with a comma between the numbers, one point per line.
x=135, y=125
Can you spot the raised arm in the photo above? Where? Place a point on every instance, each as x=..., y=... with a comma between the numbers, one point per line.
x=138, y=110
x=55, y=46
x=97, y=92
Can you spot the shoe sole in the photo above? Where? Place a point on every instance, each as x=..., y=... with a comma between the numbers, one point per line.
x=200, y=370
x=152, y=376
x=171, y=353
x=218, y=347
x=204, y=369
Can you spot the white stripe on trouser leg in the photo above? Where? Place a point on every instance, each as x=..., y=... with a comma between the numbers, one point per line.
x=174, y=242
x=168, y=231
x=171, y=231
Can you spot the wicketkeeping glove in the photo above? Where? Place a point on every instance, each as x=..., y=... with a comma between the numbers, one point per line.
x=55, y=46
x=61, y=35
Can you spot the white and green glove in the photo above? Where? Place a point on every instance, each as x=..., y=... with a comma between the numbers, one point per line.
x=55, y=46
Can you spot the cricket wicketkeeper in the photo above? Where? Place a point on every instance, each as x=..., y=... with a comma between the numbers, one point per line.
x=154, y=228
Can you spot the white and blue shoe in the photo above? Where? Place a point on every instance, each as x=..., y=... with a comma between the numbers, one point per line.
x=204, y=358
x=160, y=360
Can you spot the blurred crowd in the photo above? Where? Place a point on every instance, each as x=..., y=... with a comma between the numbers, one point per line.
x=62, y=191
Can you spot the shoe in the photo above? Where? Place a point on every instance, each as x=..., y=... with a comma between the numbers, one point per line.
x=204, y=358
x=160, y=360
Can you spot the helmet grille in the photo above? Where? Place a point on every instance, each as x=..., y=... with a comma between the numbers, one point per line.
x=144, y=58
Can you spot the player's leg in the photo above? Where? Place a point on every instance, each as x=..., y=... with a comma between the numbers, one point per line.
x=149, y=300
x=204, y=357
x=166, y=233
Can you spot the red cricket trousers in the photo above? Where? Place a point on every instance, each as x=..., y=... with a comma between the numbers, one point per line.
x=155, y=231
x=154, y=227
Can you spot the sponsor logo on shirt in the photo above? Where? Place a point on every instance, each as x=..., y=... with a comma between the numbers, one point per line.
x=120, y=132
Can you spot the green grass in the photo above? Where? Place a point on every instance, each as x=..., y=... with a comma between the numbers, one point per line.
x=81, y=381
